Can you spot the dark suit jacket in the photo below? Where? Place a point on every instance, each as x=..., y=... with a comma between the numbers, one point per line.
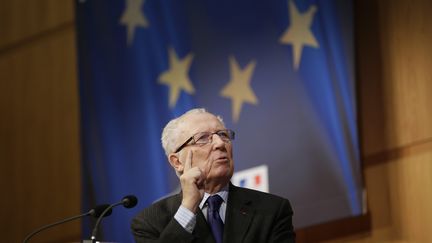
x=251, y=216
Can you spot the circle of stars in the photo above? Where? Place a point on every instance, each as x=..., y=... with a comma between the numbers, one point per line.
x=298, y=34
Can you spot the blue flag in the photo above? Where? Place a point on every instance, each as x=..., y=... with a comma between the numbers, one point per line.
x=280, y=73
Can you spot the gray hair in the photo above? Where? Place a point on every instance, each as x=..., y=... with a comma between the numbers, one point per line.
x=171, y=131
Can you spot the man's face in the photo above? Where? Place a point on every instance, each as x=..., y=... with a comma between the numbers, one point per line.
x=215, y=158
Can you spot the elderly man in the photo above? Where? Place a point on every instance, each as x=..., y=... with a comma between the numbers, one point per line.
x=209, y=208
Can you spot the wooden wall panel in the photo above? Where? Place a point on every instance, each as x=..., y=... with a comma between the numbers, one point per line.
x=411, y=197
x=400, y=199
x=21, y=19
x=406, y=36
x=395, y=82
x=40, y=160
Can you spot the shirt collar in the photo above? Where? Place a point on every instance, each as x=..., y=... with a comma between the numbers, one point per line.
x=223, y=193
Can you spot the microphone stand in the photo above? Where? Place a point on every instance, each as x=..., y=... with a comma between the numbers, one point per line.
x=96, y=212
x=128, y=202
x=54, y=224
x=95, y=229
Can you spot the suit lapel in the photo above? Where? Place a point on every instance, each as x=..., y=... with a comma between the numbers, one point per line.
x=239, y=215
x=202, y=229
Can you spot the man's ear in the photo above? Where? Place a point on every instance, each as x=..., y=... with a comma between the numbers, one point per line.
x=175, y=162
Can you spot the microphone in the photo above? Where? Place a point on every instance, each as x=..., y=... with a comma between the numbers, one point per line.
x=128, y=201
x=95, y=212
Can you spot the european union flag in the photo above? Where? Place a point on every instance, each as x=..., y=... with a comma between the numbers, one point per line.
x=280, y=72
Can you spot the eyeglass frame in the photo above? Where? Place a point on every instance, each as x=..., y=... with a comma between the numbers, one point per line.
x=229, y=131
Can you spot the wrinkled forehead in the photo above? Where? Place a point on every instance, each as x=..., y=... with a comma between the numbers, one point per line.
x=201, y=122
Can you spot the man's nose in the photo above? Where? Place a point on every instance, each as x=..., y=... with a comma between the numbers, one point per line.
x=217, y=141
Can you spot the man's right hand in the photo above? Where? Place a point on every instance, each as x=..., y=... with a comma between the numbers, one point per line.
x=192, y=184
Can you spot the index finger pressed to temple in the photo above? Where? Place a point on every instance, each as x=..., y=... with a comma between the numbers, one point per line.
x=188, y=163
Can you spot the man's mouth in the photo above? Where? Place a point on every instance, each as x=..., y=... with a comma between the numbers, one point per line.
x=222, y=159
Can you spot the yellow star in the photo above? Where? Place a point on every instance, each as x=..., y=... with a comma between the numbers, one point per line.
x=176, y=78
x=133, y=17
x=299, y=34
x=238, y=89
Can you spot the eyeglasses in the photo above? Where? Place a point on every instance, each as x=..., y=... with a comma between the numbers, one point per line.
x=202, y=138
